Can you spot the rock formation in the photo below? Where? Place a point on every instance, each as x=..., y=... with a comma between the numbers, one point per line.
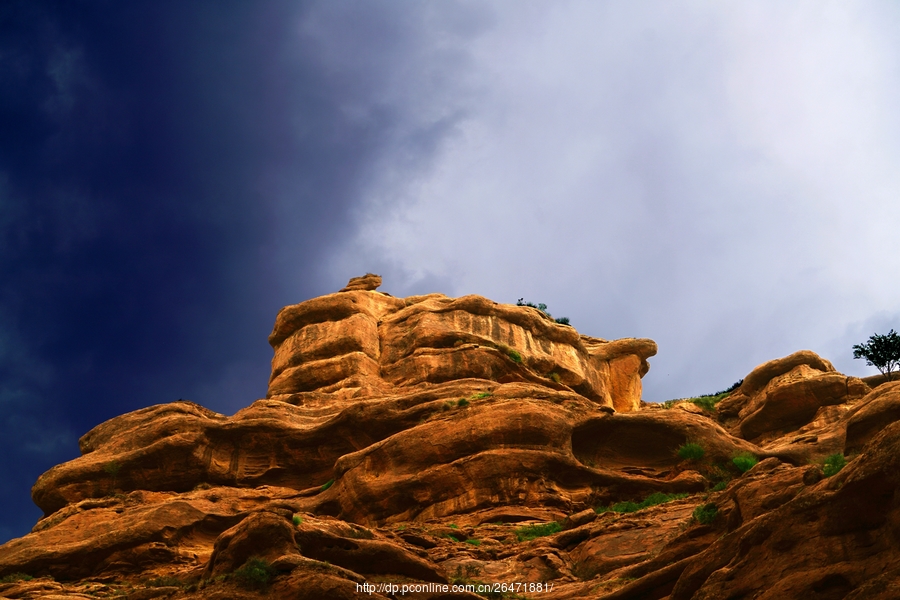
x=358, y=343
x=431, y=441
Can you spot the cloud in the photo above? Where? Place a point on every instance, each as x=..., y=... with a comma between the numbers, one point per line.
x=705, y=176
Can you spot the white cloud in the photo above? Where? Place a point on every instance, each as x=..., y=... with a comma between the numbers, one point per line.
x=721, y=178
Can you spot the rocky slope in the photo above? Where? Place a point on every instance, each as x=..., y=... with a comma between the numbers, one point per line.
x=432, y=441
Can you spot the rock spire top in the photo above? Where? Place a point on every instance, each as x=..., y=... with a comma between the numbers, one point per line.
x=367, y=283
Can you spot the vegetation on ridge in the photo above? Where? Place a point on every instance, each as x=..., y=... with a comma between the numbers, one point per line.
x=530, y=532
x=706, y=513
x=255, y=574
x=629, y=506
x=543, y=308
x=744, y=461
x=691, y=451
x=164, y=581
x=707, y=401
x=833, y=464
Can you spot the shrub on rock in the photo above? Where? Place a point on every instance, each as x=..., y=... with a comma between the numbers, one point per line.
x=691, y=451
x=744, y=461
x=833, y=464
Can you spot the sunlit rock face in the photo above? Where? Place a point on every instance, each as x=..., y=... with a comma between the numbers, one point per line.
x=360, y=342
x=434, y=440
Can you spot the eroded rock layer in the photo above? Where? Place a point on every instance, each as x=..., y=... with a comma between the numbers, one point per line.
x=433, y=441
x=360, y=343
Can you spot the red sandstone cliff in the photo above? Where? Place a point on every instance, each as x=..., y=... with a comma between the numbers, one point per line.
x=430, y=439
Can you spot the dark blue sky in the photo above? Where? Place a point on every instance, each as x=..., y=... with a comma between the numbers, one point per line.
x=716, y=177
x=171, y=174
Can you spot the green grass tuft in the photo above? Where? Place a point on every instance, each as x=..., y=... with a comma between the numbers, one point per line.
x=514, y=356
x=554, y=377
x=165, y=581
x=112, y=468
x=691, y=451
x=719, y=486
x=14, y=577
x=707, y=401
x=833, y=464
x=706, y=513
x=630, y=506
x=473, y=541
x=297, y=520
x=256, y=574
x=462, y=403
x=530, y=532
x=327, y=484
x=744, y=461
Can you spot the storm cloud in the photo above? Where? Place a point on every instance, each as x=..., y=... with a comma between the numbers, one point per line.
x=720, y=178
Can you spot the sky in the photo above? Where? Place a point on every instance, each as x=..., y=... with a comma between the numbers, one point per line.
x=722, y=178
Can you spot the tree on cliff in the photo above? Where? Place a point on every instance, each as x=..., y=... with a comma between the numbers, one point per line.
x=881, y=351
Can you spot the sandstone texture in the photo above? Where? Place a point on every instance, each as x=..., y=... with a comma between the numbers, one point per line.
x=433, y=441
x=336, y=349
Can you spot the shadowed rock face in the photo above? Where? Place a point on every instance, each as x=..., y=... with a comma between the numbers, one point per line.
x=418, y=440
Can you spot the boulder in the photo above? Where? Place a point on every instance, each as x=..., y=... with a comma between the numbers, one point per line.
x=784, y=394
x=367, y=283
x=760, y=377
x=264, y=535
